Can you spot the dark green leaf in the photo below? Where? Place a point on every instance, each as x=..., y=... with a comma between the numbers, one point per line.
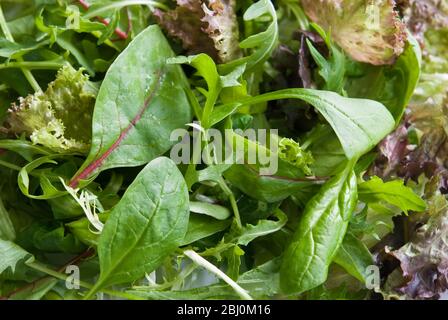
x=320, y=233
x=146, y=226
x=354, y=257
x=133, y=117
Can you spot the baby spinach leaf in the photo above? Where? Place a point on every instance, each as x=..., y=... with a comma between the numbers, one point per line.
x=354, y=257
x=360, y=124
x=393, y=192
x=320, y=232
x=133, y=116
x=146, y=226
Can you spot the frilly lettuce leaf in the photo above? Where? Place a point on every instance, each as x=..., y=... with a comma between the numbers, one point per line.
x=421, y=15
x=424, y=260
x=291, y=152
x=368, y=31
x=204, y=26
x=59, y=118
x=420, y=145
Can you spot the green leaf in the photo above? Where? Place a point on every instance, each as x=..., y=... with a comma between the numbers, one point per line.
x=360, y=124
x=327, y=152
x=11, y=255
x=146, y=226
x=133, y=117
x=332, y=70
x=10, y=49
x=287, y=180
x=49, y=237
x=7, y=231
x=291, y=152
x=393, y=192
x=201, y=226
x=35, y=292
x=354, y=257
x=262, y=282
x=49, y=191
x=212, y=210
x=263, y=43
x=205, y=66
x=393, y=85
x=25, y=148
x=60, y=117
x=320, y=232
x=262, y=228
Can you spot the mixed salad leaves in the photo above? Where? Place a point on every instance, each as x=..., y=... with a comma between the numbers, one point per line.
x=93, y=205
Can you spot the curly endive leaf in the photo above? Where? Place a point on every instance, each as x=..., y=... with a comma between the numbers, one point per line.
x=60, y=117
x=204, y=27
x=291, y=152
x=369, y=31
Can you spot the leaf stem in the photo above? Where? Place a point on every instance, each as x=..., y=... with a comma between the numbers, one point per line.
x=42, y=268
x=232, y=200
x=28, y=75
x=37, y=65
x=196, y=258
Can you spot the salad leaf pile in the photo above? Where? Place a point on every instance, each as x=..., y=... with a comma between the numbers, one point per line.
x=95, y=205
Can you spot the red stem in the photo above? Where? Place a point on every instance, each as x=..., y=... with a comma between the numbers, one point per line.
x=92, y=167
x=75, y=261
x=121, y=34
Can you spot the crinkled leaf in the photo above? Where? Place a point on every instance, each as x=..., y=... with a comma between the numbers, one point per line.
x=369, y=31
x=421, y=15
x=424, y=260
x=60, y=117
x=291, y=152
x=204, y=27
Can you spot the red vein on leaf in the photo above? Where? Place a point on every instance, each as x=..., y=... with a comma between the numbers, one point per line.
x=2, y=151
x=98, y=162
